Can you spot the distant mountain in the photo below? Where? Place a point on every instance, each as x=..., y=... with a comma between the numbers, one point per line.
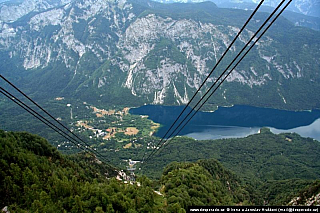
x=295, y=16
x=301, y=13
x=306, y=7
x=136, y=52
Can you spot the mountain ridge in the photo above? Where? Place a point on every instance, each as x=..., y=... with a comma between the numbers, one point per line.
x=151, y=53
x=36, y=177
x=306, y=7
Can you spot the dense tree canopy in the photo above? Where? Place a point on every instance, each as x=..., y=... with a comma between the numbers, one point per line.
x=35, y=177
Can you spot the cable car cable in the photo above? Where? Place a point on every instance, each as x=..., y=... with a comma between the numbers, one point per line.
x=228, y=73
x=42, y=109
x=203, y=83
x=44, y=120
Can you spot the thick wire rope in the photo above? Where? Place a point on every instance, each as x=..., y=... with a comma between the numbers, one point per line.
x=208, y=76
x=229, y=72
x=266, y=21
x=46, y=122
x=43, y=110
x=226, y=75
x=21, y=104
x=53, y=126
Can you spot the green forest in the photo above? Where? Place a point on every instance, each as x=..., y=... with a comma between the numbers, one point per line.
x=89, y=64
x=36, y=177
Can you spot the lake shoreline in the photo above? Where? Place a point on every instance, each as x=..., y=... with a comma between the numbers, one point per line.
x=226, y=122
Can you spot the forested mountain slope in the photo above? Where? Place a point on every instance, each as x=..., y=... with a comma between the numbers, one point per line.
x=36, y=177
x=263, y=156
x=135, y=52
x=275, y=166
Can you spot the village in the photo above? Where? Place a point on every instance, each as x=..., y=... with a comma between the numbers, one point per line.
x=109, y=125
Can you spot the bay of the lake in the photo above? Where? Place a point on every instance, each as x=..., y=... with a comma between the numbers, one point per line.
x=233, y=122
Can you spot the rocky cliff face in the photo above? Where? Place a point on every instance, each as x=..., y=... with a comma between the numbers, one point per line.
x=10, y=11
x=154, y=53
x=312, y=201
x=185, y=51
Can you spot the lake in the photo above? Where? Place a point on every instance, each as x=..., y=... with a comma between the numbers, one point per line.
x=234, y=122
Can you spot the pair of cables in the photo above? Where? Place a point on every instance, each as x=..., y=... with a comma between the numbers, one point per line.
x=267, y=23
x=61, y=129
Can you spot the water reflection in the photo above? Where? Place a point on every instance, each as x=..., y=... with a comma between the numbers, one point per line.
x=312, y=130
x=234, y=122
x=219, y=132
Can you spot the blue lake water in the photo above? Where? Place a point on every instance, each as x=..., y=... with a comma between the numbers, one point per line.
x=236, y=121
